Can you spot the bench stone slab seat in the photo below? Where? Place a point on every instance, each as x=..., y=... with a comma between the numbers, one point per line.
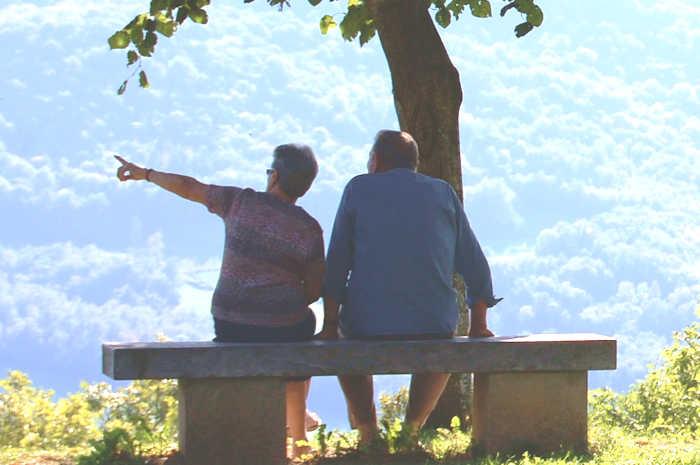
x=530, y=392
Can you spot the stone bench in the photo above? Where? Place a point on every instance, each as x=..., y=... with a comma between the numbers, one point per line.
x=530, y=392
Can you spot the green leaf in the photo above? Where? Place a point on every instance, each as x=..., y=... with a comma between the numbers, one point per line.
x=137, y=35
x=480, y=8
x=143, y=80
x=131, y=57
x=199, y=16
x=523, y=6
x=165, y=26
x=535, y=16
x=151, y=39
x=138, y=21
x=327, y=23
x=148, y=45
x=202, y=3
x=456, y=7
x=158, y=5
x=522, y=29
x=144, y=50
x=119, y=39
x=315, y=2
x=443, y=17
x=367, y=33
x=182, y=13
x=122, y=88
x=281, y=3
x=356, y=19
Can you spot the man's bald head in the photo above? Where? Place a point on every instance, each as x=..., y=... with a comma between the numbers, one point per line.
x=395, y=149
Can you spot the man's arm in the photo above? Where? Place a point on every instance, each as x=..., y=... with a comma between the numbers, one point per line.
x=338, y=263
x=184, y=186
x=471, y=263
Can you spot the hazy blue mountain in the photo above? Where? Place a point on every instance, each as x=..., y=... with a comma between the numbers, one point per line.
x=580, y=159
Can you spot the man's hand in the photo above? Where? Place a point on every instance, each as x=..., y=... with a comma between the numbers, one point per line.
x=478, y=326
x=129, y=171
x=330, y=320
x=481, y=332
x=329, y=332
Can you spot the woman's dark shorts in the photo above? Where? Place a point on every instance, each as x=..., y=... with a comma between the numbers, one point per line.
x=227, y=331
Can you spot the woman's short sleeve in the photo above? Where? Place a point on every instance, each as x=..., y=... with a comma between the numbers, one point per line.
x=220, y=198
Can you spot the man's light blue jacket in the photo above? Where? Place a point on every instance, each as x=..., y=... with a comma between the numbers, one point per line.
x=397, y=239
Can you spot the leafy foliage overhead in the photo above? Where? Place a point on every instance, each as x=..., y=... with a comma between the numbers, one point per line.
x=165, y=16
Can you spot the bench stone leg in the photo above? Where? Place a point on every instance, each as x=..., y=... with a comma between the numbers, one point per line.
x=232, y=421
x=534, y=411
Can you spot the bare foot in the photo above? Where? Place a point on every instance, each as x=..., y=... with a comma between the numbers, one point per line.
x=480, y=332
x=373, y=446
x=300, y=451
x=369, y=436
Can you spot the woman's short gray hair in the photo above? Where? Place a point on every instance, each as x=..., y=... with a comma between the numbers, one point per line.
x=296, y=168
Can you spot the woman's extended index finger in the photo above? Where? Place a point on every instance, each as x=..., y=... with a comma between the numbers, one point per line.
x=121, y=160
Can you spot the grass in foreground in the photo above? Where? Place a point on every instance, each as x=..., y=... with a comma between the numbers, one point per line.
x=608, y=446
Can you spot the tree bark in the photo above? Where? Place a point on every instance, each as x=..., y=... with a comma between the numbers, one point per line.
x=427, y=92
x=427, y=97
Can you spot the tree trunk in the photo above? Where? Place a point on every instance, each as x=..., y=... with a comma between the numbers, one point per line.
x=427, y=97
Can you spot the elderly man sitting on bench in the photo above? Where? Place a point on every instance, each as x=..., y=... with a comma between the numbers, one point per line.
x=398, y=238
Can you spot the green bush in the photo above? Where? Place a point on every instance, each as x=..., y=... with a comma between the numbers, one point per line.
x=392, y=407
x=116, y=447
x=440, y=443
x=147, y=410
x=666, y=401
x=31, y=420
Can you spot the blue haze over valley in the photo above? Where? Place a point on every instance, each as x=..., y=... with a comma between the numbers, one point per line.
x=580, y=158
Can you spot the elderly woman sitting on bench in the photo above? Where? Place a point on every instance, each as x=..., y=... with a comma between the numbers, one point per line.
x=273, y=260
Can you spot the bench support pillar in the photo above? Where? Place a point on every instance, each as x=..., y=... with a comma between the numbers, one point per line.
x=541, y=412
x=232, y=421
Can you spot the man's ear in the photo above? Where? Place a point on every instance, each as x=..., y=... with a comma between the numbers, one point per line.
x=272, y=180
x=372, y=164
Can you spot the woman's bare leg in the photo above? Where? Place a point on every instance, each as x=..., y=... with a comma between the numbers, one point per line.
x=296, y=415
